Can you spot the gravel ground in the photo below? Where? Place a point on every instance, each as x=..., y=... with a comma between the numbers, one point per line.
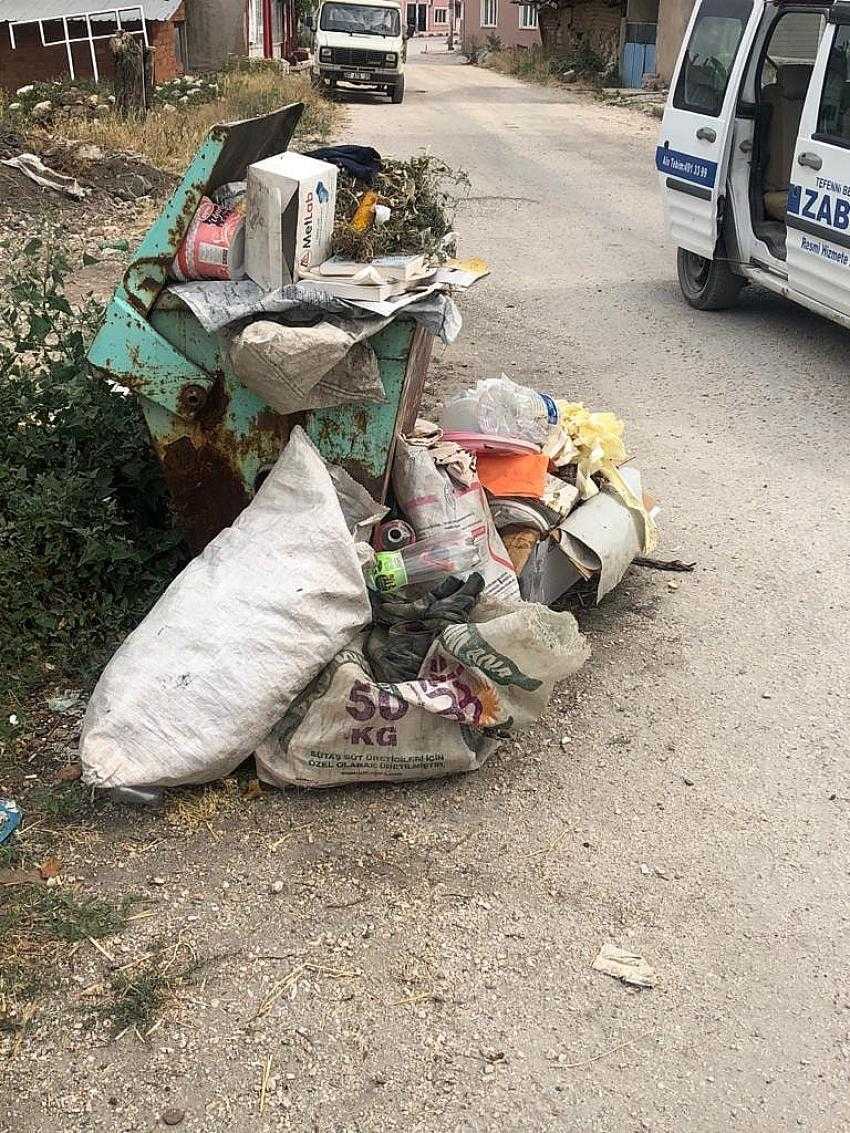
x=418, y=957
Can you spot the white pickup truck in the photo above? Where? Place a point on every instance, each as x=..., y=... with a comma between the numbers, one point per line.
x=754, y=153
x=361, y=44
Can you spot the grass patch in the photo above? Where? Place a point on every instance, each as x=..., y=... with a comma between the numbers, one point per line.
x=142, y=992
x=536, y=65
x=54, y=913
x=37, y=922
x=63, y=801
x=533, y=64
x=168, y=138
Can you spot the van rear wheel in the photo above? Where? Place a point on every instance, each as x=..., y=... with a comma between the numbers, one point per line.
x=708, y=285
x=397, y=90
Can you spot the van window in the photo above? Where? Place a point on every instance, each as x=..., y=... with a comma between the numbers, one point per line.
x=360, y=19
x=711, y=53
x=834, y=113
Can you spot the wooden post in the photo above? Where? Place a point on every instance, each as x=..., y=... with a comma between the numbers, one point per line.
x=129, y=82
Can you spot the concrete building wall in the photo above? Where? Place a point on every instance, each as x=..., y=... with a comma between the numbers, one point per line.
x=673, y=17
x=507, y=25
x=215, y=29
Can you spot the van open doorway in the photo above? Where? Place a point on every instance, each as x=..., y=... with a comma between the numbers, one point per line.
x=782, y=81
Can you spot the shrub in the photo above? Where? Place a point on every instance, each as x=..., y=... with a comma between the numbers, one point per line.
x=86, y=538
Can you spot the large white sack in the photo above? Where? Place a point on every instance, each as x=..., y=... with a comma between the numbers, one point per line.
x=238, y=634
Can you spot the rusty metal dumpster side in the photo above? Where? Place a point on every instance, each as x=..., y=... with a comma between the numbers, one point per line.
x=215, y=458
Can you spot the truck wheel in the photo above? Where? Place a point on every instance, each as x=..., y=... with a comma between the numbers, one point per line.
x=397, y=94
x=708, y=285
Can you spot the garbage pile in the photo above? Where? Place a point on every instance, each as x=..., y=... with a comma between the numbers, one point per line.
x=334, y=636
x=339, y=639
x=260, y=263
x=566, y=508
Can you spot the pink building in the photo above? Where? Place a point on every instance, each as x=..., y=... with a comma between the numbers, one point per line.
x=514, y=24
x=434, y=17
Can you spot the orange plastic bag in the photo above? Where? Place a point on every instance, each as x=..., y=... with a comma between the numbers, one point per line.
x=506, y=474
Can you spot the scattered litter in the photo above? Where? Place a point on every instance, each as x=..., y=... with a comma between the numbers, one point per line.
x=214, y=245
x=66, y=701
x=435, y=505
x=11, y=877
x=297, y=368
x=629, y=967
x=10, y=819
x=34, y=168
x=425, y=561
x=49, y=868
x=394, y=535
x=478, y=680
x=664, y=564
x=173, y=1116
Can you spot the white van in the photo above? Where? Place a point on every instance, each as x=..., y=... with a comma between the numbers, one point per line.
x=754, y=154
x=360, y=43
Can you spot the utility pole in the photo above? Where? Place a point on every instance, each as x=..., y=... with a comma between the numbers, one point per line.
x=451, y=43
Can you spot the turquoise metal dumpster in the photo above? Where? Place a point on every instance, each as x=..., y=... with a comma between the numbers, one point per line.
x=216, y=439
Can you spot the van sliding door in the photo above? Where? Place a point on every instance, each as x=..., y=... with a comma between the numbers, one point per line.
x=818, y=216
x=696, y=133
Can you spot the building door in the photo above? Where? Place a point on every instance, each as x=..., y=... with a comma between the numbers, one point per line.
x=638, y=54
x=417, y=18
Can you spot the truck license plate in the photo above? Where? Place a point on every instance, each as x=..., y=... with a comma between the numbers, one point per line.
x=356, y=76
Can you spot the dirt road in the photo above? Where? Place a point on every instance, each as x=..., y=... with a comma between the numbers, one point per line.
x=687, y=796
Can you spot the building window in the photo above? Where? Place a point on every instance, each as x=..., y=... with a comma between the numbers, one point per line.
x=528, y=16
x=489, y=13
x=440, y=16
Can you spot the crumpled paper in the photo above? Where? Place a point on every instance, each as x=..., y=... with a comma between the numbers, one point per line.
x=629, y=967
x=459, y=463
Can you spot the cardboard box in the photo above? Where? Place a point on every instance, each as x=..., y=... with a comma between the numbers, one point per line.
x=289, y=217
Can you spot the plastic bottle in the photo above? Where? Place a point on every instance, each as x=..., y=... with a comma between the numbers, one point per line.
x=500, y=407
x=428, y=560
x=137, y=796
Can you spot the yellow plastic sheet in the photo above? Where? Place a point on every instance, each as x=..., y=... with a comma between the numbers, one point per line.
x=594, y=443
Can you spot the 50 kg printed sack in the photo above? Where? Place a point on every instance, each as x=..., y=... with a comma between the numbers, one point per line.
x=493, y=674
